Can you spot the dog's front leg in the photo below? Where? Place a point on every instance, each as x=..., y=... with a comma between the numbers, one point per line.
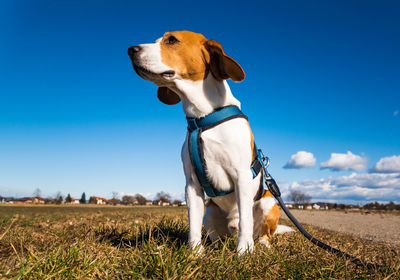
x=245, y=201
x=195, y=205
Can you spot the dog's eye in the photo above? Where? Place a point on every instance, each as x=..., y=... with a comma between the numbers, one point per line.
x=171, y=40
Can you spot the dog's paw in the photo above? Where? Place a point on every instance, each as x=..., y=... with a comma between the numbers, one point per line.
x=265, y=242
x=245, y=247
x=197, y=250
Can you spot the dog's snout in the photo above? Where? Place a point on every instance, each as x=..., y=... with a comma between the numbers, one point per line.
x=134, y=49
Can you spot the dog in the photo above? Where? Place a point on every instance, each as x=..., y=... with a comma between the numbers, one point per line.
x=191, y=69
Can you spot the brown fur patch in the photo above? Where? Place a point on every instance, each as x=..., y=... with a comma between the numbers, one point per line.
x=193, y=56
x=267, y=194
x=270, y=223
x=253, y=155
x=188, y=56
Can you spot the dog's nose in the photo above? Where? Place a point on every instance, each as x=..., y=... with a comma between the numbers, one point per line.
x=134, y=49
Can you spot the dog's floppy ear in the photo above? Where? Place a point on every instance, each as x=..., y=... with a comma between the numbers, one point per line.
x=222, y=66
x=167, y=96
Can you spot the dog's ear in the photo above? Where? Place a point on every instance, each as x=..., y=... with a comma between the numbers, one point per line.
x=167, y=96
x=222, y=66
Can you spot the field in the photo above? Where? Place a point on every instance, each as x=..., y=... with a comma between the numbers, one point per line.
x=90, y=242
x=382, y=226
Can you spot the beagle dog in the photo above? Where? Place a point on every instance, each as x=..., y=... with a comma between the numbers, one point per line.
x=188, y=67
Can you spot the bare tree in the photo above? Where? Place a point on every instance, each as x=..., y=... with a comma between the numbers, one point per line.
x=59, y=198
x=140, y=198
x=114, y=200
x=114, y=195
x=37, y=192
x=163, y=196
x=127, y=199
x=177, y=201
x=299, y=197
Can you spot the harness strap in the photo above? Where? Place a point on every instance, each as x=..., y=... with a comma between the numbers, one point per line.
x=195, y=128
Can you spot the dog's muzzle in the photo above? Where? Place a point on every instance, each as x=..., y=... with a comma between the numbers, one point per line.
x=133, y=50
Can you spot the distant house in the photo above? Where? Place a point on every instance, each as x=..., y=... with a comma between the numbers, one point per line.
x=38, y=200
x=135, y=201
x=183, y=203
x=24, y=200
x=320, y=206
x=164, y=203
x=316, y=206
x=308, y=207
x=9, y=200
x=289, y=205
x=100, y=200
x=149, y=202
x=161, y=203
x=75, y=201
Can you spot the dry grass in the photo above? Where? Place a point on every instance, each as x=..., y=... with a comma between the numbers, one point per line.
x=86, y=242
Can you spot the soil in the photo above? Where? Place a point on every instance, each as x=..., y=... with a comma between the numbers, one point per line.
x=377, y=227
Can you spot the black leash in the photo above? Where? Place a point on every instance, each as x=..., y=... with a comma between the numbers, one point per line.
x=274, y=189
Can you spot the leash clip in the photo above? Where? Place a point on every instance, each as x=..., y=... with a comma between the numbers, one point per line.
x=265, y=162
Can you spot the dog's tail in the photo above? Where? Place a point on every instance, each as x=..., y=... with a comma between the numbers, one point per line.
x=281, y=229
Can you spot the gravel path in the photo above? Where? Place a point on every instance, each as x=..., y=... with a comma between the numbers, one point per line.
x=378, y=227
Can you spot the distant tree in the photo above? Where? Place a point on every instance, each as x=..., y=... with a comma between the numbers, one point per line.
x=163, y=196
x=177, y=201
x=140, y=198
x=371, y=206
x=83, y=198
x=92, y=200
x=59, y=198
x=68, y=199
x=299, y=197
x=127, y=199
x=114, y=195
x=114, y=201
x=37, y=192
x=331, y=205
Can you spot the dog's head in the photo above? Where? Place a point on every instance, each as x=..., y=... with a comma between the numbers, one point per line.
x=180, y=57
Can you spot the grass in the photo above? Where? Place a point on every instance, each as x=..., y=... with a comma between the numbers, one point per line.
x=89, y=242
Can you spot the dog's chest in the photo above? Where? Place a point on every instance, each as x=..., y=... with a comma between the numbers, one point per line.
x=226, y=151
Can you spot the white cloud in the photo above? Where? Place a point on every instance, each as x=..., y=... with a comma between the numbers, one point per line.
x=349, y=161
x=351, y=189
x=387, y=165
x=300, y=159
x=13, y=192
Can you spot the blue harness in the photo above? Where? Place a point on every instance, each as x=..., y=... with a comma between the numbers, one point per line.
x=195, y=128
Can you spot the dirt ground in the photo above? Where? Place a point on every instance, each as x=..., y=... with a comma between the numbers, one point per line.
x=376, y=227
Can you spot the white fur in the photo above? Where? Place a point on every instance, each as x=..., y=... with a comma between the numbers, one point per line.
x=228, y=156
x=281, y=229
x=151, y=58
x=213, y=94
x=227, y=153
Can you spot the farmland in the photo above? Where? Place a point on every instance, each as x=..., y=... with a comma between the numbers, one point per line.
x=106, y=242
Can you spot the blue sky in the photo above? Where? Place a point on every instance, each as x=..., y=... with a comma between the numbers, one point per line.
x=322, y=77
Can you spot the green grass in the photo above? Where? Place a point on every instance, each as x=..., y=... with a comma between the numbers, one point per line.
x=88, y=242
